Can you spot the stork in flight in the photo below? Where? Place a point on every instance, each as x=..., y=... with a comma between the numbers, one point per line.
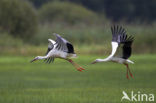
x=59, y=49
x=121, y=48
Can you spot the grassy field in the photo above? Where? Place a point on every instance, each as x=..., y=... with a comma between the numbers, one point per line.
x=25, y=82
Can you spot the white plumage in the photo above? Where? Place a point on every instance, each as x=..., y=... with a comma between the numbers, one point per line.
x=121, y=48
x=60, y=48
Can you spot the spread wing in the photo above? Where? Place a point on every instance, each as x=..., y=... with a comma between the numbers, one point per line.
x=50, y=47
x=121, y=43
x=63, y=45
x=49, y=60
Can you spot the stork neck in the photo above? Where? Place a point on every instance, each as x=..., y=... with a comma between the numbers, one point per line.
x=42, y=57
x=103, y=60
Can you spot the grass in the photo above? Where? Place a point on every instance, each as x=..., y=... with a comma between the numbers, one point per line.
x=24, y=82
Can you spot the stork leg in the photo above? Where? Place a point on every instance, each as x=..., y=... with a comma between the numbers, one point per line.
x=128, y=70
x=127, y=74
x=76, y=65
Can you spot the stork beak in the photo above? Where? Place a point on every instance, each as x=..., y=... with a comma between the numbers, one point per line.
x=33, y=60
x=93, y=62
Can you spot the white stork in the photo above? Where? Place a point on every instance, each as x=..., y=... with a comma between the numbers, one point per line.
x=59, y=49
x=121, y=48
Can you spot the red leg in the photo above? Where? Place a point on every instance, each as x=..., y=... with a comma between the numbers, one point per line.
x=127, y=74
x=129, y=70
x=73, y=63
x=79, y=66
x=76, y=65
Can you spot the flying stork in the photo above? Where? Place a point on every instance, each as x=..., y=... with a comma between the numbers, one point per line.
x=121, y=48
x=59, y=49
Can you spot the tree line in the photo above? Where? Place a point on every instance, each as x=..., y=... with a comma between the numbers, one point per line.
x=141, y=11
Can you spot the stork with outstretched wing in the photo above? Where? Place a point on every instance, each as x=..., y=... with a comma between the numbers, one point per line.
x=59, y=49
x=121, y=48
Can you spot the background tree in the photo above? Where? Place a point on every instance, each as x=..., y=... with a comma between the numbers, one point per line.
x=18, y=18
x=66, y=12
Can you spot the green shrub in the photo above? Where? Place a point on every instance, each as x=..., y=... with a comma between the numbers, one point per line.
x=7, y=41
x=18, y=18
x=67, y=12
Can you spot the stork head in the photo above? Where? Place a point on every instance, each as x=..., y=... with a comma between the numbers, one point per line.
x=100, y=60
x=36, y=58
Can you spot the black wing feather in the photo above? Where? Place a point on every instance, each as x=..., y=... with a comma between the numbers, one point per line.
x=49, y=60
x=127, y=50
x=70, y=48
x=50, y=47
x=63, y=45
x=119, y=35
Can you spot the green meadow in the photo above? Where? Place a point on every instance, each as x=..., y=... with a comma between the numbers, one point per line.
x=59, y=82
x=26, y=26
